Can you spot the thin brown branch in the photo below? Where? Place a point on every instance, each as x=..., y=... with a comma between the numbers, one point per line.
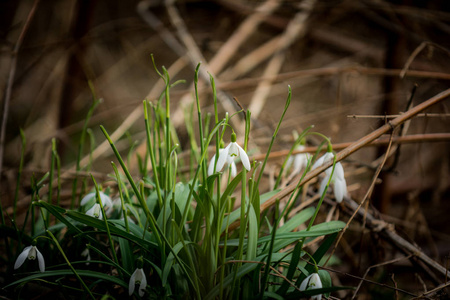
x=11, y=76
x=413, y=138
x=353, y=147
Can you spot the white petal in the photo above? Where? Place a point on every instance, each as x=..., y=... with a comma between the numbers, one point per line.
x=41, y=260
x=22, y=256
x=87, y=198
x=318, y=163
x=323, y=184
x=305, y=284
x=315, y=281
x=106, y=200
x=289, y=162
x=143, y=284
x=211, y=165
x=132, y=283
x=233, y=169
x=312, y=282
x=233, y=150
x=95, y=211
x=32, y=253
x=339, y=171
x=223, y=156
x=244, y=158
x=340, y=190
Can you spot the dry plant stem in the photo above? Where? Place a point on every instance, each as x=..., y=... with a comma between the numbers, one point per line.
x=294, y=30
x=366, y=196
x=376, y=266
x=117, y=134
x=433, y=292
x=426, y=115
x=416, y=52
x=352, y=148
x=133, y=116
x=332, y=71
x=416, y=138
x=400, y=242
x=10, y=83
x=367, y=280
x=241, y=35
x=190, y=48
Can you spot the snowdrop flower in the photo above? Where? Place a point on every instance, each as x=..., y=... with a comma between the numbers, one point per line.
x=86, y=254
x=30, y=252
x=310, y=283
x=95, y=211
x=106, y=200
x=138, y=277
x=338, y=179
x=230, y=162
x=230, y=152
x=297, y=161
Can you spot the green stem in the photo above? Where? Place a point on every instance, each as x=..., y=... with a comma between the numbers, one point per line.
x=70, y=265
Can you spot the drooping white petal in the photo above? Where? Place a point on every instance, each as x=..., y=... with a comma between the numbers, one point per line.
x=132, y=283
x=138, y=277
x=106, y=200
x=211, y=164
x=323, y=159
x=340, y=190
x=143, y=284
x=312, y=282
x=244, y=158
x=318, y=163
x=323, y=184
x=233, y=150
x=289, y=162
x=22, y=256
x=41, y=260
x=223, y=157
x=233, y=172
x=32, y=253
x=338, y=172
x=95, y=211
x=86, y=199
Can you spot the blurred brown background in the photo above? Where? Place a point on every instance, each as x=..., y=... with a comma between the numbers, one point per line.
x=341, y=58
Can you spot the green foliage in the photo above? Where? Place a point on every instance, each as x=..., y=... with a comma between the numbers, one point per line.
x=180, y=229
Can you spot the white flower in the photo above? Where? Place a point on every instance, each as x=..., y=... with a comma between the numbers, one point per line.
x=230, y=162
x=95, y=211
x=230, y=152
x=138, y=277
x=323, y=159
x=298, y=161
x=310, y=283
x=30, y=252
x=106, y=200
x=86, y=254
x=338, y=179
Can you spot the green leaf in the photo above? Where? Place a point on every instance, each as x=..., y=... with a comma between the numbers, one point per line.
x=99, y=224
x=82, y=273
x=297, y=220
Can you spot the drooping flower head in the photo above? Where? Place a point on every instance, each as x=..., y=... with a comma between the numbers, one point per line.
x=106, y=200
x=30, y=252
x=230, y=152
x=310, y=283
x=95, y=210
x=297, y=161
x=230, y=162
x=138, y=277
x=338, y=179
